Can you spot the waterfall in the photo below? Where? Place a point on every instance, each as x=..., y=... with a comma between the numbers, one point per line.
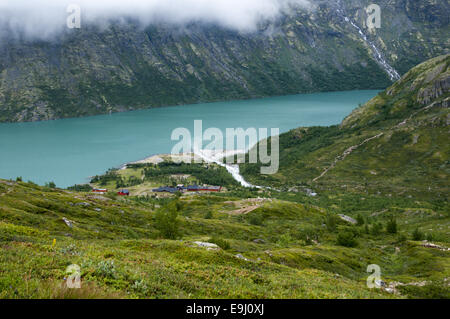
x=212, y=157
x=377, y=55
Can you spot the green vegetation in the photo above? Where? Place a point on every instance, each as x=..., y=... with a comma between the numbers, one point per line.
x=144, y=247
x=376, y=204
x=418, y=235
x=166, y=173
x=166, y=221
x=347, y=239
x=391, y=226
x=395, y=144
x=222, y=243
x=386, y=165
x=120, y=247
x=80, y=188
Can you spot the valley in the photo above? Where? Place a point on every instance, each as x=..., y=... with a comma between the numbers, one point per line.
x=99, y=201
x=278, y=242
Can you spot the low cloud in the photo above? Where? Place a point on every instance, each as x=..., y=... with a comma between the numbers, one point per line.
x=46, y=18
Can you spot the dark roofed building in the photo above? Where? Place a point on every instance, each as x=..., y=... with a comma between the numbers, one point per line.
x=166, y=189
x=197, y=188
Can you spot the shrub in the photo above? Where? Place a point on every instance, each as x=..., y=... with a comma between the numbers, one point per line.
x=167, y=223
x=222, y=243
x=391, y=226
x=376, y=229
x=347, y=239
x=19, y=179
x=70, y=250
x=106, y=269
x=401, y=238
x=360, y=220
x=417, y=235
x=208, y=215
x=331, y=222
x=255, y=219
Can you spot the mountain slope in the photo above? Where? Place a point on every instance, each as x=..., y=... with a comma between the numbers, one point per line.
x=280, y=249
x=121, y=254
x=91, y=71
x=397, y=142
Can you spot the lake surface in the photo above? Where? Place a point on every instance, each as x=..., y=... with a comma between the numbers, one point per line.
x=69, y=151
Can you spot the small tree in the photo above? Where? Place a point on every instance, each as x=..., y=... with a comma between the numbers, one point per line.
x=347, y=239
x=331, y=222
x=167, y=223
x=50, y=185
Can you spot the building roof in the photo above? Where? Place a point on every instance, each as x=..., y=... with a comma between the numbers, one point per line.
x=166, y=189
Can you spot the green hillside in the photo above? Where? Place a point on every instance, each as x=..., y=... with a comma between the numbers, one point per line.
x=382, y=184
x=281, y=249
x=398, y=143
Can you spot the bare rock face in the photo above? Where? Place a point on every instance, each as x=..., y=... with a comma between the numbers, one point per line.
x=348, y=219
x=68, y=222
x=435, y=90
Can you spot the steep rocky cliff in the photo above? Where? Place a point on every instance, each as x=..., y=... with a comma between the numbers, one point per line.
x=96, y=71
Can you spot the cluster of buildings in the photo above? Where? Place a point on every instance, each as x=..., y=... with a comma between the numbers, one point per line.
x=167, y=189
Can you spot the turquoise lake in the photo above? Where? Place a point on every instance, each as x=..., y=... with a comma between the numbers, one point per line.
x=69, y=151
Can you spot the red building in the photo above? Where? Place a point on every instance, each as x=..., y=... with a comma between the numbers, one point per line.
x=124, y=192
x=99, y=190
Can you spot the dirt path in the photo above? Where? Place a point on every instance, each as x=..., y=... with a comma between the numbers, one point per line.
x=346, y=153
x=247, y=206
x=244, y=211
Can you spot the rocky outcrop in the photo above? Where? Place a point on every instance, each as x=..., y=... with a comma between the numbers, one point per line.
x=435, y=90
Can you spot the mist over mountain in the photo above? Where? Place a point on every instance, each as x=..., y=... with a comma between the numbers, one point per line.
x=202, y=51
x=45, y=19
